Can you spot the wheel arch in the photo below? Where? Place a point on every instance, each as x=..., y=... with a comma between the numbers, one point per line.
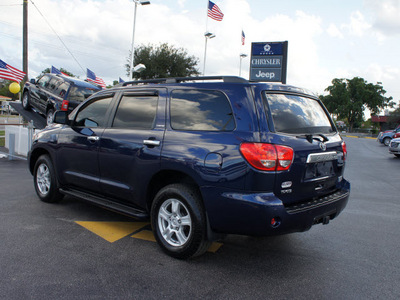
x=34, y=156
x=164, y=178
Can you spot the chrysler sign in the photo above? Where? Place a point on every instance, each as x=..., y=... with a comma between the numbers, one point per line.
x=268, y=61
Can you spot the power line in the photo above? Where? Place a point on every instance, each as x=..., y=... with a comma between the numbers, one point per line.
x=58, y=36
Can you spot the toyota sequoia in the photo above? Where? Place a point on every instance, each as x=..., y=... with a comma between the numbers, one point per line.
x=201, y=157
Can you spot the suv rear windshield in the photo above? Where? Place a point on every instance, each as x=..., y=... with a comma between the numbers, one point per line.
x=296, y=114
x=78, y=93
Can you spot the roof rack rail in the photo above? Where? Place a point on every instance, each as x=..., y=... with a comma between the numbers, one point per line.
x=231, y=79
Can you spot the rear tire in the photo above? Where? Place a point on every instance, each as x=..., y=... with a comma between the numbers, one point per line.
x=178, y=221
x=45, y=181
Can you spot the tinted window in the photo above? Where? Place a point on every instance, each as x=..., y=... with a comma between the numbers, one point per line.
x=54, y=82
x=94, y=114
x=201, y=110
x=295, y=114
x=62, y=89
x=78, y=93
x=137, y=112
x=44, y=81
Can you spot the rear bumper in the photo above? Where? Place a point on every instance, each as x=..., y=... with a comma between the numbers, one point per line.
x=251, y=214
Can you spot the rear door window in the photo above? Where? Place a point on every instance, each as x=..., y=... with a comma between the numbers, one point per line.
x=296, y=114
x=201, y=110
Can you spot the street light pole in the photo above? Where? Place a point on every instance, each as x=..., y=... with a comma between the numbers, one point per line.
x=242, y=55
x=133, y=35
x=207, y=35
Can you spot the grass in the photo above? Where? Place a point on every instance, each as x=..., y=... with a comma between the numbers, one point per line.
x=2, y=139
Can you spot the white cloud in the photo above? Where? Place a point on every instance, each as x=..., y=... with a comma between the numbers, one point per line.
x=334, y=31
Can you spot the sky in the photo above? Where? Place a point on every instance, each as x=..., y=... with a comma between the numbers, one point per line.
x=326, y=39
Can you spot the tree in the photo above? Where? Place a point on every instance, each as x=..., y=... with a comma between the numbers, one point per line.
x=348, y=99
x=5, y=89
x=48, y=70
x=163, y=61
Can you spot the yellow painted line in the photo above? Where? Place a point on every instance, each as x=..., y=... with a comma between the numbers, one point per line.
x=112, y=231
x=214, y=247
x=144, y=235
x=148, y=236
x=352, y=136
x=371, y=138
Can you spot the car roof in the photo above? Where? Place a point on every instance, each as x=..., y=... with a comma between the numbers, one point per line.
x=76, y=81
x=212, y=80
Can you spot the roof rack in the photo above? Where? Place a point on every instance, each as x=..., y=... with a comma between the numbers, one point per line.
x=230, y=79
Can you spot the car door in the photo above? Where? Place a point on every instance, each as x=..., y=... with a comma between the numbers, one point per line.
x=130, y=147
x=38, y=91
x=77, y=157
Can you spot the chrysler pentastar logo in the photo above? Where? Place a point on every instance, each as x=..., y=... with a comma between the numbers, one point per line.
x=322, y=146
x=267, y=48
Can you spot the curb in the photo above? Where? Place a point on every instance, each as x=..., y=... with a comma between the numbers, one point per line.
x=360, y=137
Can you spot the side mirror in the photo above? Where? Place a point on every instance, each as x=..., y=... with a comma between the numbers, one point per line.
x=33, y=81
x=60, y=117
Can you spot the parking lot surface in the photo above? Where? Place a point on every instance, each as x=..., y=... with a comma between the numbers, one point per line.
x=73, y=250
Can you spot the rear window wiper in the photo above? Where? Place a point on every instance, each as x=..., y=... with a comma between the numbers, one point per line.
x=309, y=137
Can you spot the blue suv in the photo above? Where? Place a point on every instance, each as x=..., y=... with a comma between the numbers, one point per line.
x=200, y=157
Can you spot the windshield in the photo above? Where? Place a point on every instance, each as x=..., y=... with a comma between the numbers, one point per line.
x=296, y=114
x=78, y=93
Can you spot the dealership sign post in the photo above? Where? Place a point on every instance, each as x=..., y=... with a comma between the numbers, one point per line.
x=269, y=61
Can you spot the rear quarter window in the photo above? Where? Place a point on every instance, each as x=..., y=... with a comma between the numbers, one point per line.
x=201, y=110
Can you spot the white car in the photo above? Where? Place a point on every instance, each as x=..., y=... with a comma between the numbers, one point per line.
x=394, y=147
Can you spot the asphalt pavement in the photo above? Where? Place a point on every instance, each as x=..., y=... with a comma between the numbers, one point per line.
x=46, y=252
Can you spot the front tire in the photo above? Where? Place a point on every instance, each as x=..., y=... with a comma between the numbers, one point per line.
x=50, y=116
x=45, y=180
x=178, y=221
x=386, y=141
x=25, y=101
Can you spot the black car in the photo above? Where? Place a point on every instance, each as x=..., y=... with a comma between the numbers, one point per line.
x=199, y=157
x=53, y=92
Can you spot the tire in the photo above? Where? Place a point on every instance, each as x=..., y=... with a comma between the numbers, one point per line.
x=50, y=116
x=25, y=101
x=386, y=141
x=178, y=221
x=45, y=181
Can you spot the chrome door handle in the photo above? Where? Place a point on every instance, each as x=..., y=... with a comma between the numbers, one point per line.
x=151, y=143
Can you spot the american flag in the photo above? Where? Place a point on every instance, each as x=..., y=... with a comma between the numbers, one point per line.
x=243, y=37
x=10, y=73
x=214, y=12
x=93, y=78
x=57, y=71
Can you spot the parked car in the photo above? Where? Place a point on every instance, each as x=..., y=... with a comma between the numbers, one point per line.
x=55, y=92
x=396, y=135
x=200, y=157
x=394, y=147
x=386, y=136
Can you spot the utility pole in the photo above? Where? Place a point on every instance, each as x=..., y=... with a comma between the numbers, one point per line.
x=25, y=40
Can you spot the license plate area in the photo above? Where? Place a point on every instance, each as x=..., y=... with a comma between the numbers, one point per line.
x=319, y=171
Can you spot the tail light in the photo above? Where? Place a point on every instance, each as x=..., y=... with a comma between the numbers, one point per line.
x=64, y=105
x=344, y=148
x=267, y=157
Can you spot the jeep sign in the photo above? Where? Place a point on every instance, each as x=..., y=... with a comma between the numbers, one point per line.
x=268, y=61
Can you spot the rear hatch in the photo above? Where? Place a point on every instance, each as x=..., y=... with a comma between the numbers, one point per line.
x=303, y=124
